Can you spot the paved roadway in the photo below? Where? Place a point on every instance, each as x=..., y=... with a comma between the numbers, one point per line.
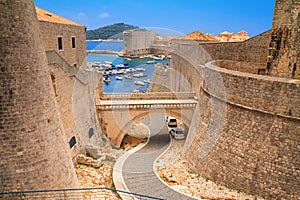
x=138, y=172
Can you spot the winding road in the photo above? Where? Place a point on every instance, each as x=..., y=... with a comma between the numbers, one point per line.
x=138, y=171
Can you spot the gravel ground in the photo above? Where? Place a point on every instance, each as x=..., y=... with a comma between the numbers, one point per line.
x=174, y=171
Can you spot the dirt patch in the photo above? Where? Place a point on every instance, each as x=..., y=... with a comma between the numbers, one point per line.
x=94, y=176
x=137, y=134
x=131, y=142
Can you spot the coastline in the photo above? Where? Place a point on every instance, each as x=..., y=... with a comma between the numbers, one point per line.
x=102, y=40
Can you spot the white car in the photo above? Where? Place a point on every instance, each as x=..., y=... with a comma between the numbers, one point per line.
x=172, y=122
x=177, y=133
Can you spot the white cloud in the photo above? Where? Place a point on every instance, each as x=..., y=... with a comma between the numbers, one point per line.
x=81, y=14
x=103, y=15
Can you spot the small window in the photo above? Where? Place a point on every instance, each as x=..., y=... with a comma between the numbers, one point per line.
x=73, y=43
x=60, y=43
x=72, y=141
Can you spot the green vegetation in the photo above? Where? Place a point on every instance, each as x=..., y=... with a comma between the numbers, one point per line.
x=114, y=31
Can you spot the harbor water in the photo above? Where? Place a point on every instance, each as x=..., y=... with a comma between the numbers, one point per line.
x=124, y=85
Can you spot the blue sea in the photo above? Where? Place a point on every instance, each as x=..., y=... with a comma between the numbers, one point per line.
x=125, y=85
x=114, y=46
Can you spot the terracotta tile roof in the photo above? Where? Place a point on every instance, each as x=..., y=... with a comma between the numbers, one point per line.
x=46, y=16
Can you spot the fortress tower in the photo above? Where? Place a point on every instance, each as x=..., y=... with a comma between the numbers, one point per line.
x=284, y=53
x=33, y=149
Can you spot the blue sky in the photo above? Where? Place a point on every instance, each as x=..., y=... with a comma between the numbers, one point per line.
x=183, y=16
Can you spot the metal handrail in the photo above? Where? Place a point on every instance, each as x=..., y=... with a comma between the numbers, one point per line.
x=77, y=189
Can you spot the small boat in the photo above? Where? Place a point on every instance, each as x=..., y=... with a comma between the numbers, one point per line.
x=151, y=62
x=130, y=70
x=139, y=83
x=122, y=71
x=128, y=58
x=119, y=78
x=114, y=72
x=138, y=75
x=127, y=76
x=108, y=62
x=140, y=69
x=106, y=79
x=147, y=81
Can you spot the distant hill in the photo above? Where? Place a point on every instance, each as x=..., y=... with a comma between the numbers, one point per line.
x=114, y=31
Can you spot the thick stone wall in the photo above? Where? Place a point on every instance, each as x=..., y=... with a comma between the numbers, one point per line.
x=50, y=33
x=249, y=142
x=246, y=67
x=137, y=42
x=63, y=85
x=254, y=50
x=248, y=56
x=34, y=152
x=284, y=54
x=245, y=131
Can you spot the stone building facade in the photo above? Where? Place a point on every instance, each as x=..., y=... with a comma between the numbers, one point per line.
x=137, y=42
x=65, y=47
x=65, y=37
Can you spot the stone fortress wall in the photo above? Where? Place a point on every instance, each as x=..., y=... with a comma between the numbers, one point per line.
x=33, y=149
x=137, y=42
x=245, y=133
x=285, y=41
x=248, y=56
x=74, y=90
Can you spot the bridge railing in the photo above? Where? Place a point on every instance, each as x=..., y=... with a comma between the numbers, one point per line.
x=73, y=193
x=147, y=106
x=148, y=95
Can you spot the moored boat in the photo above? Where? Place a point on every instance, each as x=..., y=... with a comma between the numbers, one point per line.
x=138, y=75
x=140, y=69
x=106, y=79
x=127, y=76
x=119, y=78
x=151, y=62
x=139, y=83
x=147, y=81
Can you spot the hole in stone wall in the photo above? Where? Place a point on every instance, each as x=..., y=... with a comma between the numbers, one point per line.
x=91, y=132
x=53, y=82
x=11, y=94
x=72, y=142
x=294, y=70
x=262, y=71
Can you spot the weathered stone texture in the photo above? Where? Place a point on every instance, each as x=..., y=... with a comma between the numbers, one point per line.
x=63, y=85
x=245, y=131
x=250, y=151
x=254, y=50
x=246, y=135
x=249, y=56
x=33, y=149
x=50, y=33
x=284, y=54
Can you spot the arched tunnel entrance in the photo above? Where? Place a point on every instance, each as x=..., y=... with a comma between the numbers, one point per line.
x=117, y=122
x=156, y=119
x=153, y=124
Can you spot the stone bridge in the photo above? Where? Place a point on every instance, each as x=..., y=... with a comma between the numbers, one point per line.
x=117, y=112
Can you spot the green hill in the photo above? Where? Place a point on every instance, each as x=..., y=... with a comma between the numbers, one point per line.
x=114, y=31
